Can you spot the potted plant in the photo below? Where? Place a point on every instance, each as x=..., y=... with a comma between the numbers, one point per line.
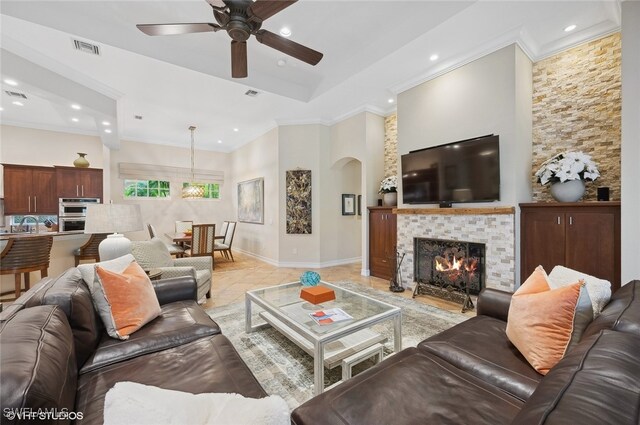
x=389, y=189
x=567, y=173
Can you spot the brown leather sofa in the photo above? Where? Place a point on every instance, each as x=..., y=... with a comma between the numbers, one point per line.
x=54, y=353
x=472, y=374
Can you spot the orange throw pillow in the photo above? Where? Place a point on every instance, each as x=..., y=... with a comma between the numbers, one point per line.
x=542, y=321
x=131, y=298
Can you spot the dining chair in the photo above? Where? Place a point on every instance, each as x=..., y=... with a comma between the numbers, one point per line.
x=24, y=255
x=89, y=251
x=202, y=241
x=223, y=230
x=174, y=248
x=182, y=225
x=225, y=246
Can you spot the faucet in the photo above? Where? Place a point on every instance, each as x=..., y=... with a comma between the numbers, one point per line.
x=35, y=219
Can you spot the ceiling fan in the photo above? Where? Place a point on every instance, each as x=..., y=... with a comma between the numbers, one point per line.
x=241, y=19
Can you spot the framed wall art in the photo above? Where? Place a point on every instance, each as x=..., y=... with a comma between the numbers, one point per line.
x=348, y=204
x=251, y=201
x=298, y=208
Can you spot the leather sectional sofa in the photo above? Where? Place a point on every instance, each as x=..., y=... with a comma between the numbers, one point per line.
x=55, y=354
x=472, y=374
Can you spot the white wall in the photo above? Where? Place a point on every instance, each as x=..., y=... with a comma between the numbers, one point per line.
x=476, y=99
x=258, y=159
x=163, y=213
x=630, y=141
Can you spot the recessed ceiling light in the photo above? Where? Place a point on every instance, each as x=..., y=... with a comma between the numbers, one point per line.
x=285, y=31
x=282, y=62
x=75, y=119
x=570, y=28
x=107, y=130
x=390, y=100
x=433, y=57
x=11, y=82
x=236, y=130
x=219, y=141
x=76, y=106
x=18, y=103
x=106, y=123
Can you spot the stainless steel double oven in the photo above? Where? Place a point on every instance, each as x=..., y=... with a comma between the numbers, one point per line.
x=72, y=213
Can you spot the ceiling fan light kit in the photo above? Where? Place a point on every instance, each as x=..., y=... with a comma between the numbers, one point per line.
x=241, y=19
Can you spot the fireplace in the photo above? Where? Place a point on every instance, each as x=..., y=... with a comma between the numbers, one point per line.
x=449, y=269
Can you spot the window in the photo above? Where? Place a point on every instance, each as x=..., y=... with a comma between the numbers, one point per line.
x=146, y=189
x=211, y=190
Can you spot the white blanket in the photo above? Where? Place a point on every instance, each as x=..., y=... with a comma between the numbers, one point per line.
x=132, y=403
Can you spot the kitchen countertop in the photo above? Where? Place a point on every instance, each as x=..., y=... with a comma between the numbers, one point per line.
x=7, y=236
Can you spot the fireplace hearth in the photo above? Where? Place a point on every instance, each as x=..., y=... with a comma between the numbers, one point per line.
x=449, y=269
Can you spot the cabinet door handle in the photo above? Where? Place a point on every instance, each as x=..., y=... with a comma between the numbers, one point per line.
x=570, y=221
x=82, y=190
x=77, y=191
x=558, y=219
x=35, y=204
x=29, y=203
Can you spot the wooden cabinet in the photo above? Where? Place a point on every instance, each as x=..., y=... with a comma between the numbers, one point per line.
x=382, y=242
x=29, y=190
x=584, y=236
x=79, y=182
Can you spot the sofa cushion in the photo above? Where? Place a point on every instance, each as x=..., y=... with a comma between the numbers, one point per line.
x=597, y=383
x=209, y=364
x=38, y=362
x=411, y=387
x=126, y=301
x=69, y=292
x=622, y=313
x=543, y=322
x=480, y=347
x=178, y=323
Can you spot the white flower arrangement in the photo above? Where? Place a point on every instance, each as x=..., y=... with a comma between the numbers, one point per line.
x=388, y=185
x=567, y=166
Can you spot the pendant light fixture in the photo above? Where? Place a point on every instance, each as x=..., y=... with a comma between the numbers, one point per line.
x=192, y=190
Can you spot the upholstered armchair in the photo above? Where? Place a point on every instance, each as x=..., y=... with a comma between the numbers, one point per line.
x=153, y=254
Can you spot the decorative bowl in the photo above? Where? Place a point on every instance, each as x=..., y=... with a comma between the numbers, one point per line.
x=309, y=278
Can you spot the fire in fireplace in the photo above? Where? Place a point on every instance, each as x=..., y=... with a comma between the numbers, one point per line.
x=449, y=269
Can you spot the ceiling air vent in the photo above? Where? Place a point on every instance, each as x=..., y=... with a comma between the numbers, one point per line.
x=15, y=94
x=251, y=93
x=83, y=46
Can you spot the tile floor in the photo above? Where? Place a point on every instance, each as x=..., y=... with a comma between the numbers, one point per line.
x=232, y=279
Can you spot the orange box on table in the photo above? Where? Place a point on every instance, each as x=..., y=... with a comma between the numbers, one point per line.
x=317, y=294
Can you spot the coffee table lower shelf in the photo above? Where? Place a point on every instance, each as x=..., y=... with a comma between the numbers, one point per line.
x=334, y=352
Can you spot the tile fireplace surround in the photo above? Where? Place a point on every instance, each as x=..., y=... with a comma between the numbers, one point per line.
x=494, y=227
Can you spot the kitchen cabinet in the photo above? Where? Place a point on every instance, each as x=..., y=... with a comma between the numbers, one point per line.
x=382, y=242
x=29, y=190
x=584, y=236
x=78, y=182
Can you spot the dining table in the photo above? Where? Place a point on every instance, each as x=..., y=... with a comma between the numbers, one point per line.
x=182, y=238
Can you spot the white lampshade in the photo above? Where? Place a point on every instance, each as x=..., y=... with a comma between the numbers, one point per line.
x=116, y=219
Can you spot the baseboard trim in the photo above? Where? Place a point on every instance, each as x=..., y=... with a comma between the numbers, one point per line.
x=301, y=264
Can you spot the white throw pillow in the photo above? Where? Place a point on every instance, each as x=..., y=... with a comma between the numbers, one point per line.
x=117, y=265
x=151, y=254
x=599, y=289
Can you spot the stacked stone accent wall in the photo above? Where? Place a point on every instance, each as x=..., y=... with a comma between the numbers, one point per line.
x=496, y=231
x=391, y=145
x=576, y=107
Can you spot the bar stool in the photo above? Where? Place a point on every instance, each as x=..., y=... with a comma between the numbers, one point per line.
x=25, y=255
x=89, y=251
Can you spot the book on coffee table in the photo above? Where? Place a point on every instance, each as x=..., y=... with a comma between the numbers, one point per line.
x=329, y=316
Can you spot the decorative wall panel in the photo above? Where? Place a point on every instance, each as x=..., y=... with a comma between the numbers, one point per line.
x=298, y=202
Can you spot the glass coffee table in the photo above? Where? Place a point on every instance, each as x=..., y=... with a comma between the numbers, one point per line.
x=330, y=344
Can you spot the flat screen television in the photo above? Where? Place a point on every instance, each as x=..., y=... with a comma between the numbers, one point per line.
x=463, y=171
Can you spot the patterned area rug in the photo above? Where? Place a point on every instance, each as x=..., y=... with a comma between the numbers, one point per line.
x=286, y=370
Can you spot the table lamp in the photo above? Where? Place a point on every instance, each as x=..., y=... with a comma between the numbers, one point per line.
x=115, y=219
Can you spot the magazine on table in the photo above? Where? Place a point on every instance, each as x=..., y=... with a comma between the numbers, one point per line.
x=329, y=316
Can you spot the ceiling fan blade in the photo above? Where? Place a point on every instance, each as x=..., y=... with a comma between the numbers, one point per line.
x=238, y=59
x=176, y=29
x=217, y=4
x=261, y=10
x=289, y=47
